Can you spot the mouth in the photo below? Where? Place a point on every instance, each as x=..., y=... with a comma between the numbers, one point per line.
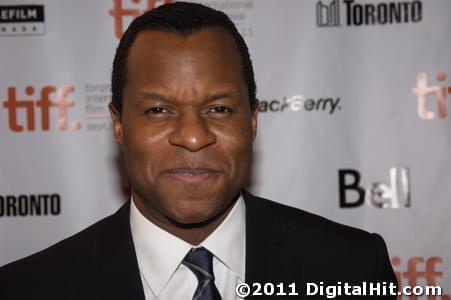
x=193, y=174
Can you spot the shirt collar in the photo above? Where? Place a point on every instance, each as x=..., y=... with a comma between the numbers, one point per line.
x=227, y=242
x=159, y=253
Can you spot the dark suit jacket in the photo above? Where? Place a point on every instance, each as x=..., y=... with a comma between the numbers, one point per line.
x=283, y=244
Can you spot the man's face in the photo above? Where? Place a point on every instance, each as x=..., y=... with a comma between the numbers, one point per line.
x=186, y=127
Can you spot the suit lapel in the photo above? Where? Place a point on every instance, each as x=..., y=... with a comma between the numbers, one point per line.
x=263, y=237
x=116, y=274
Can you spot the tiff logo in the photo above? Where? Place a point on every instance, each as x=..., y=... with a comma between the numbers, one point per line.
x=62, y=103
x=118, y=12
x=413, y=276
x=328, y=15
x=422, y=91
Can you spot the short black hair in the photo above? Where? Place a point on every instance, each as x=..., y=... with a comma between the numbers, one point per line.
x=182, y=18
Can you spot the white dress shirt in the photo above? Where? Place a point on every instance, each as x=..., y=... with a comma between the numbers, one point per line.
x=160, y=255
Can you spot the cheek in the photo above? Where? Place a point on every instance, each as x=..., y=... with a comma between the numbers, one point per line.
x=237, y=147
x=144, y=149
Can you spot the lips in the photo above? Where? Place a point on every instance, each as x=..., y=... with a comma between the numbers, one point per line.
x=188, y=174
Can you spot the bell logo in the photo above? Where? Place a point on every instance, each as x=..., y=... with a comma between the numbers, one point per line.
x=379, y=195
x=118, y=12
x=422, y=91
x=62, y=103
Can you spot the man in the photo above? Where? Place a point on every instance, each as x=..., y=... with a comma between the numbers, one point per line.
x=184, y=112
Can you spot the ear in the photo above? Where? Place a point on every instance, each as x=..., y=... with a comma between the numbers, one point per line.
x=254, y=118
x=117, y=124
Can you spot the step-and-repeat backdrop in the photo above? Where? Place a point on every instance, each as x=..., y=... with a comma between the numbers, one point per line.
x=354, y=119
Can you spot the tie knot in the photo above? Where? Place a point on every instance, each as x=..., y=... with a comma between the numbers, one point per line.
x=200, y=262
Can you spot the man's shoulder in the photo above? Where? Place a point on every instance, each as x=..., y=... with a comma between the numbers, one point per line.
x=72, y=253
x=300, y=246
x=300, y=220
x=318, y=246
x=311, y=238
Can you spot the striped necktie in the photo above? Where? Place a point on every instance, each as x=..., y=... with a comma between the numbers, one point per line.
x=200, y=262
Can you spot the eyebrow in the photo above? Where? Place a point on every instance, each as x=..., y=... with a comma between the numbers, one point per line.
x=213, y=97
x=222, y=95
x=154, y=96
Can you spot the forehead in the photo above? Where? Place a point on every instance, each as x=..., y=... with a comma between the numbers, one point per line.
x=211, y=39
x=211, y=52
x=210, y=32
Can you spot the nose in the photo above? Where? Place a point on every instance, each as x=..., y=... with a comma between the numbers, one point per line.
x=191, y=132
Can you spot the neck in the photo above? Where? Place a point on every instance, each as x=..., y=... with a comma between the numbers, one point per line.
x=193, y=233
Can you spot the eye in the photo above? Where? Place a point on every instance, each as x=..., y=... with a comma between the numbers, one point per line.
x=220, y=109
x=157, y=110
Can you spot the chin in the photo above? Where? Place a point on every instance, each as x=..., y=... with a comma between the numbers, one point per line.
x=194, y=216
x=193, y=213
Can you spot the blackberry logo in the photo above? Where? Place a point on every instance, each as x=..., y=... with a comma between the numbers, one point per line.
x=299, y=103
